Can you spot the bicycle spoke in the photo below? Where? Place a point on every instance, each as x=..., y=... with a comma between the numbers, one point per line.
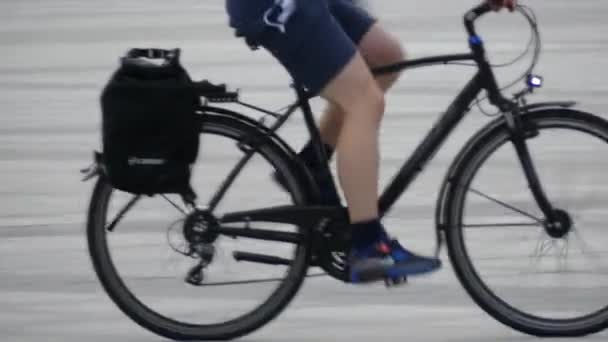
x=544, y=272
x=257, y=281
x=544, y=246
x=175, y=205
x=496, y=225
x=586, y=249
x=235, y=282
x=508, y=206
x=232, y=175
x=122, y=212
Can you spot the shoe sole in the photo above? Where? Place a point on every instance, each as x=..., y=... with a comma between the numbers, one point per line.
x=375, y=273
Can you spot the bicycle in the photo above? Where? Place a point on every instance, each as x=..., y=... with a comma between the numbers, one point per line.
x=318, y=235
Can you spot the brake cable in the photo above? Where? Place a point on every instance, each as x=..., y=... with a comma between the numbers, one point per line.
x=534, y=43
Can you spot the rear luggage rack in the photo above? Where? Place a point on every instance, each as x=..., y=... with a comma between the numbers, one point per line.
x=215, y=93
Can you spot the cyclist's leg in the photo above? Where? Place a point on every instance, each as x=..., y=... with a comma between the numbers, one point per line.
x=358, y=106
x=377, y=48
x=321, y=56
x=358, y=96
x=374, y=255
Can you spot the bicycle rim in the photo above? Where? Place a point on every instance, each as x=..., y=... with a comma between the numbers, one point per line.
x=536, y=283
x=142, y=270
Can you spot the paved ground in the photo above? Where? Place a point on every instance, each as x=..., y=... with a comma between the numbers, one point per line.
x=54, y=59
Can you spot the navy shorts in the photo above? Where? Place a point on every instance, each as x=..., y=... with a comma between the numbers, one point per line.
x=321, y=36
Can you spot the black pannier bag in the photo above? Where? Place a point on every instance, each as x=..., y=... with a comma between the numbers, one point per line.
x=149, y=124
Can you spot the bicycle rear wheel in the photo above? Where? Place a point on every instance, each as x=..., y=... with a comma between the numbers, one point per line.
x=536, y=281
x=142, y=262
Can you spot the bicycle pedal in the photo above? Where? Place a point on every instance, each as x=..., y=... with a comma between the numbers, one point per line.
x=393, y=282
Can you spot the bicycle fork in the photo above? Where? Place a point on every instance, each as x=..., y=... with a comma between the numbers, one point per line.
x=519, y=134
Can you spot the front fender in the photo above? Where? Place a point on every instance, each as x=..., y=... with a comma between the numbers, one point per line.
x=547, y=105
x=441, y=208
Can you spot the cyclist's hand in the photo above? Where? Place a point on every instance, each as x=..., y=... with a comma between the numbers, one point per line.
x=499, y=4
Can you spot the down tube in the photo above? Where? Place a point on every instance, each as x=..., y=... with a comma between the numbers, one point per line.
x=430, y=145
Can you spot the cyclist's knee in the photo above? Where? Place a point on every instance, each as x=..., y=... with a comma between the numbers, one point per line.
x=393, y=54
x=396, y=54
x=356, y=91
x=364, y=102
x=389, y=51
x=379, y=48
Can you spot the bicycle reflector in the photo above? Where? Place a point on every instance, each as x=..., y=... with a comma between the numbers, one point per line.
x=534, y=81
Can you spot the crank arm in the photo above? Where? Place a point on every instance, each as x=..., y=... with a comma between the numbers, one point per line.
x=260, y=258
x=308, y=216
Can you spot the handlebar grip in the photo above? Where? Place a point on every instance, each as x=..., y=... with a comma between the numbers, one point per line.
x=474, y=14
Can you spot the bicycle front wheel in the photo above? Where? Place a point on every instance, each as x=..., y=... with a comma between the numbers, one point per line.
x=144, y=260
x=534, y=280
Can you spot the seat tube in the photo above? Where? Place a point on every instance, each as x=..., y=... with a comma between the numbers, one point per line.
x=309, y=119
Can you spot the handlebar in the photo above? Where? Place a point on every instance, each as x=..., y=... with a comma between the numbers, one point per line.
x=474, y=14
x=477, y=47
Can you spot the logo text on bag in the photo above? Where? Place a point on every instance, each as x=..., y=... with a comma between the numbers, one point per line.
x=145, y=161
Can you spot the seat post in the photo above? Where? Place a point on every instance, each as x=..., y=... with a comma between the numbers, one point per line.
x=315, y=134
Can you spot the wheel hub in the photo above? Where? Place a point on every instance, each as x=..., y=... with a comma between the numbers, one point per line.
x=560, y=226
x=201, y=227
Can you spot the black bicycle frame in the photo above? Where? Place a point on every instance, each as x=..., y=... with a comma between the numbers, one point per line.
x=414, y=165
x=313, y=216
x=434, y=139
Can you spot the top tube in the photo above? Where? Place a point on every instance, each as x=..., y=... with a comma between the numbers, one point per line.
x=304, y=95
x=421, y=62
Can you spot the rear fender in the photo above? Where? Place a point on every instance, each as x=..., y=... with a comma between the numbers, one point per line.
x=305, y=178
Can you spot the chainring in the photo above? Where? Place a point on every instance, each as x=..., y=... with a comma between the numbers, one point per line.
x=331, y=247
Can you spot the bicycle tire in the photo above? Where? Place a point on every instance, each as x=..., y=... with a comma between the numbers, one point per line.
x=235, y=128
x=470, y=160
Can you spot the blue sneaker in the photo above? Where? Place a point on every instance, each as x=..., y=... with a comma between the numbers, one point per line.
x=387, y=259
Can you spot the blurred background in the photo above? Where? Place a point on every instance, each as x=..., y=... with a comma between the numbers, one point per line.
x=55, y=57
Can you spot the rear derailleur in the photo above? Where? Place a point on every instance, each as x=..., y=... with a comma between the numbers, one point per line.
x=200, y=234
